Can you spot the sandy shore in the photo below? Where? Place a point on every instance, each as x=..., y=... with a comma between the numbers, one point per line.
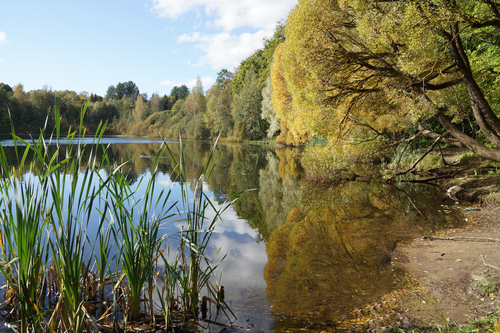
x=457, y=274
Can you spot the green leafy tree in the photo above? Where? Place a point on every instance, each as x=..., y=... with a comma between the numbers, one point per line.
x=219, y=117
x=178, y=93
x=69, y=105
x=294, y=131
x=42, y=99
x=5, y=105
x=156, y=104
x=195, y=107
x=141, y=109
x=21, y=96
x=6, y=87
x=95, y=98
x=40, y=107
x=178, y=109
x=125, y=109
x=25, y=116
x=111, y=92
x=128, y=89
x=260, y=61
x=248, y=108
x=268, y=112
x=166, y=103
x=195, y=101
x=102, y=111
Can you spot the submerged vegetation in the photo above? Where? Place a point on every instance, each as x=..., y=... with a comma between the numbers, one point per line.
x=57, y=277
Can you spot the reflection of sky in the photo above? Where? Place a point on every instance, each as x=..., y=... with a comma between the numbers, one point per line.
x=243, y=265
x=245, y=259
x=242, y=268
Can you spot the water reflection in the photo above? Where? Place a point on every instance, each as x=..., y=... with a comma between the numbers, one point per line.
x=333, y=253
x=279, y=188
x=295, y=251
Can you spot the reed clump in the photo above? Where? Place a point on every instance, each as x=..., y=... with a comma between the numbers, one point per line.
x=58, y=278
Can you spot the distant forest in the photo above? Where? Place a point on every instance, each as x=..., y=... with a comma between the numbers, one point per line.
x=236, y=106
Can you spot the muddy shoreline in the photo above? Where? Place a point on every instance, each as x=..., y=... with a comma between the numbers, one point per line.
x=453, y=278
x=455, y=282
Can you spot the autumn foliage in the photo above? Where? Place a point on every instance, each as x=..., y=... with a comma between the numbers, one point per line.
x=369, y=74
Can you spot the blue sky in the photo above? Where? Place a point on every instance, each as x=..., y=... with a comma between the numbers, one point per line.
x=90, y=45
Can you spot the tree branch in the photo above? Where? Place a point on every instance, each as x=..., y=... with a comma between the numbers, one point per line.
x=408, y=140
x=491, y=23
x=421, y=157
x=443, y=85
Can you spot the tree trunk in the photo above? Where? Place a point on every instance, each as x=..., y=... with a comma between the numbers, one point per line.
x=471, y=143
x=487, y=120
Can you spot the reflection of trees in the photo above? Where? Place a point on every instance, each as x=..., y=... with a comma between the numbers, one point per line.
x=244, y=170
x=334, y=250
x=271, y=196
x=220, y=179
x=289, y=162
x=136, y=165
x=116, y=154
x=279, y=191
x=274, y=175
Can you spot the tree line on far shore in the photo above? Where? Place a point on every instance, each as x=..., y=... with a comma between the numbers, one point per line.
x=238, y=106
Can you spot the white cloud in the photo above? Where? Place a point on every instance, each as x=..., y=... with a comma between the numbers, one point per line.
x=3, y=38
x=229, y=14
x=224, y=50
x=258, y=14
x=172, y=8
x=166, y=83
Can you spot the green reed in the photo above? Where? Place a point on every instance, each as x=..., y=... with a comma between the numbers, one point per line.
x=23, y=249
x=71, y=208
x=102, y=258
x=50, y=283
x=194, y=273
x=136, y=230
x=24, y=217
x=166, y=285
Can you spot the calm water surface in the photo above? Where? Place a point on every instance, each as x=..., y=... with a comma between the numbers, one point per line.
x=297, y=254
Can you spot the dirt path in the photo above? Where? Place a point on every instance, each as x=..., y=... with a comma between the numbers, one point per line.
x=456, y=284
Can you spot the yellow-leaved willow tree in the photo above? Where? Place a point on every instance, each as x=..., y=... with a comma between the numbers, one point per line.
x=361, y=72
x=294, y=131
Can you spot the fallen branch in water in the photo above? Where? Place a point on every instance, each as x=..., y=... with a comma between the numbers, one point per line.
x=426, y=180
x=414, y=165
x=458, y=238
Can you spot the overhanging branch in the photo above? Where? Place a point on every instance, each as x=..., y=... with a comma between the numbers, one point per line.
x=421, y=157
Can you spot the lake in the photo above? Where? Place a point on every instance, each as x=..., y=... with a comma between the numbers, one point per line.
x=298, y=255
